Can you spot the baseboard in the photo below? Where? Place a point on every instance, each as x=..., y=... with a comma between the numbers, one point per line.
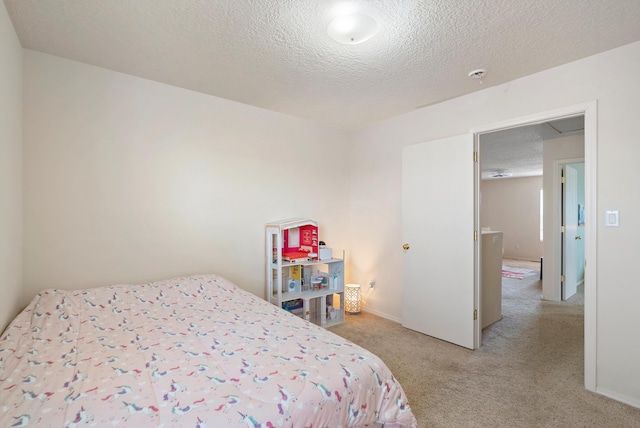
x=383, y=315
x=619, y=397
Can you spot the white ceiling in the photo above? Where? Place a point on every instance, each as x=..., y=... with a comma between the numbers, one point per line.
x=276, y=54
x=518, y=151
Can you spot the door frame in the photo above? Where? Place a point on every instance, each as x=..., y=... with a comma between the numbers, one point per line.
x=589, y=110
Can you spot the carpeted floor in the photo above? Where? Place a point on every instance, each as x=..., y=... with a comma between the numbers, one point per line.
x=528, y=372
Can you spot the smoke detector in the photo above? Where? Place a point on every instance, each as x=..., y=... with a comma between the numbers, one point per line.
x=478, y=74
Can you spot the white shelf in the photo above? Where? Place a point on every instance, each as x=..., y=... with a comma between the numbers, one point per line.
x=306, y=263
x=311, y=294
x=315, y=301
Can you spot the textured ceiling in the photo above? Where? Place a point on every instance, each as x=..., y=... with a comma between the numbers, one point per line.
x=518, y=151
x=276, y=54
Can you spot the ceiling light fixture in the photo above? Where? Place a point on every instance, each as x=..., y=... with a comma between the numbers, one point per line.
x=500, y=174
x=352, y=29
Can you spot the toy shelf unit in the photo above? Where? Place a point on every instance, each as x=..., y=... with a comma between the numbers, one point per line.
x=301, y=277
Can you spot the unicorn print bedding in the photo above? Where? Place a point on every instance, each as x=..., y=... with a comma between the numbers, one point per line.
x=187, y=352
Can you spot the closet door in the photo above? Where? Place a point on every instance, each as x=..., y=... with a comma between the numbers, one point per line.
x=438, y=287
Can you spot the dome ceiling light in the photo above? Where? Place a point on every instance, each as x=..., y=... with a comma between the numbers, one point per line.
x=352, y=29
x=500, y=174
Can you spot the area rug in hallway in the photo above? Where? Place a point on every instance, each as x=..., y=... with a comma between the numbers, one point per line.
x=517, y=273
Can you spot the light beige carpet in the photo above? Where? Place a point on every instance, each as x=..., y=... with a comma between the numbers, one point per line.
x=528, y=372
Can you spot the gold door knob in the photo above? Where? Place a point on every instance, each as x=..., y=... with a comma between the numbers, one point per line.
x=405, y=247
x=578, y=237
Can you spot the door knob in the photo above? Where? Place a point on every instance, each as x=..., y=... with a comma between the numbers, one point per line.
x=578, y=237
x=405, y=247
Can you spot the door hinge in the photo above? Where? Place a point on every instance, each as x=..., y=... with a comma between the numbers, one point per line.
x=475, y=314
x=564, y=179
x=475, y=235
x=562, y=279
x=475, y=156
x=563, y=229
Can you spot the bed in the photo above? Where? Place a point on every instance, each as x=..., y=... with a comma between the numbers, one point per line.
x=190, y=352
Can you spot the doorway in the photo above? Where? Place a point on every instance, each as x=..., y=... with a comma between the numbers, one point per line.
x=550, y=267
x=512, y=164
x=520, y=198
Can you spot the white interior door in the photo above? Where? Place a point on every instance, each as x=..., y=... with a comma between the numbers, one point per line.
x=570, y=236
x=438, y=287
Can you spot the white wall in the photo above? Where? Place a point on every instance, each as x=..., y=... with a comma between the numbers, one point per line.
x=512, y=205
x=10, y=170
x=129, y=180
x=611, y=79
